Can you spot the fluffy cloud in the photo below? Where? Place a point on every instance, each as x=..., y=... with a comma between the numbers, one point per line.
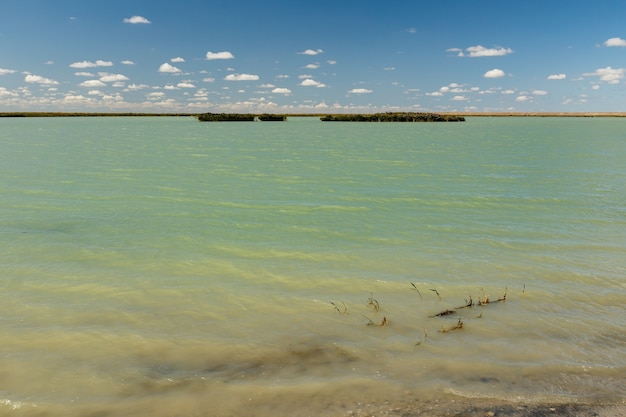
x=178, y=59
x=135, y=87
x=312, y=66
x=557, y=77
x=38, y=79
x=459, y=98
x=241, y=77
x=311, y=52
x=208, y=80
x=127, y=62
x=540, y=92
x=185, y=85
x=312, y=83
x=109, y=78
x=523, y=98
x=219, y=55
x=280, y=90
x=359, y=91
x=156, y=95
x=6, y=93
x=168, y=68
x=137, y=20
x=92, y=84
x=4, y=71
x=480, y=51
x=608, y=74
x=494, y=73
x=615, y=42
x=89, y=64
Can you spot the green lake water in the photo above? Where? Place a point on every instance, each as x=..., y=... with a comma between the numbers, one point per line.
x=163, y=266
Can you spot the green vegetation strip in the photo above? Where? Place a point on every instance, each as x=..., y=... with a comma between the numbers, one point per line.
x=393, y=117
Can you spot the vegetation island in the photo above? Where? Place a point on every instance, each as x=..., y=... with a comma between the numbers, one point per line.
x=393, y=117
x=376, y=117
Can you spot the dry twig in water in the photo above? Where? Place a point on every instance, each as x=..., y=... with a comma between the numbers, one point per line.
x=373, y=303
x=418, y=291
x=341, y=311
x=371, y=322
x=459, y=325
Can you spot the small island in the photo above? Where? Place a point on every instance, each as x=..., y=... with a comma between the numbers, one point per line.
x=226, y=117
x=393, y=117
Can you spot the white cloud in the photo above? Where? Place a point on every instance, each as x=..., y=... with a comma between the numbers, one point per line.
x=4, y=71
x=241, y=77
x=304, y=76
x=219, y=55
x=508, y=92
x=127, y=62
x=137, y=20
x=311, y=52
x=6, y=93
x=282, y=76
x=170, y=87
x=89, y=64
x=459, y=98
x=76, y=99
x=608, y=74
x=155, y=95
x=109, y=78
x=615, y=42
x=480, y=51
x=84, y=74
x=595, y=87
x=92, y=84
x=312, y=66
x=178, y=59
x=168, y=68
x=435, y=94
x=539, y=92
x=280, y=90
x=185, y=85
x=331, y=62
x=38, y=79
x=494, y=73
x=312, y=83
x=523, y=98
x=135, y=87
x=557, y=77
x=208, y=80
x=389, y=68
x=359, y=91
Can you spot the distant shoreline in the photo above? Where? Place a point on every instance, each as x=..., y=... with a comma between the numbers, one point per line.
x=462, y=114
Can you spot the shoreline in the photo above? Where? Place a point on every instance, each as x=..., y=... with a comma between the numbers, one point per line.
x=462, y=114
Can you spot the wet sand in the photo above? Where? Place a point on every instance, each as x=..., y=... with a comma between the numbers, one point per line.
x=493, y=408
x=488, y=408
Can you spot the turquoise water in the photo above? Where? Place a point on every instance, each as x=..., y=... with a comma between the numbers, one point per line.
x=163, y=266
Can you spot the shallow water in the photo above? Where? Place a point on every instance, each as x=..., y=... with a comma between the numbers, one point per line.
x=162, y=266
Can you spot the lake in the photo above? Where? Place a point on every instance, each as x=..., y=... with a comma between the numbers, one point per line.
x=164, y=266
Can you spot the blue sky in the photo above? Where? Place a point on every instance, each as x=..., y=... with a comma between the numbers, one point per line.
x=319, y=56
